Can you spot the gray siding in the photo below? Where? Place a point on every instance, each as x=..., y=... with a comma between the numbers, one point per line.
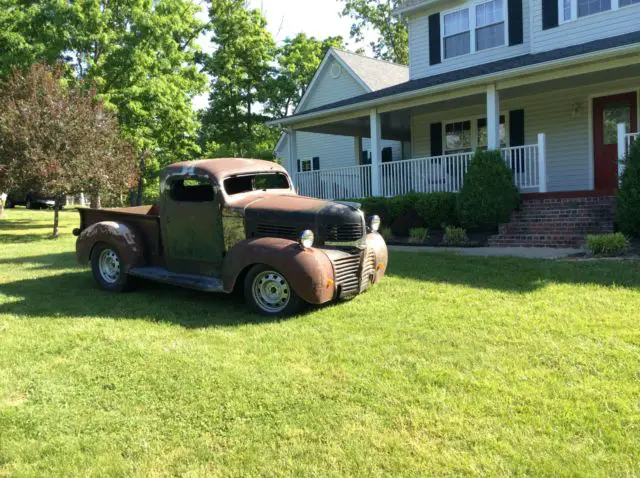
x=562, y=114
x=329, y=90
x=585, y=29
x=419, y=46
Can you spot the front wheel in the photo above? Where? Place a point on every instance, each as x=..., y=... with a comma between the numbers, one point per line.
x=268, y=292
x=107, y=268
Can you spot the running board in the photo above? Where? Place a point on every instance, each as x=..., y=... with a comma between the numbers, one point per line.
x=190, y=281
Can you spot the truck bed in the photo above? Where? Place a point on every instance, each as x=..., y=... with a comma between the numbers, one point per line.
x=145, y=220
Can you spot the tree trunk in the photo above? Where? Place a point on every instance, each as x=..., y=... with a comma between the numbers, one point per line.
x=1, y=210
x=95, y=201
x=140, y=189
x=56, y=219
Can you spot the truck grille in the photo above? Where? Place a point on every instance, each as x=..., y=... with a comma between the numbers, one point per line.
x=277, y=230
x=368, y=269
x=343, y=232
x=347, y=279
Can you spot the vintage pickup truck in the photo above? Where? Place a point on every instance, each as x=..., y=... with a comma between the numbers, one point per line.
x=225, y=224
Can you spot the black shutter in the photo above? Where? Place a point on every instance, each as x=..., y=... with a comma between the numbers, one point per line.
x=364, y=157
x=516, y=128
x=387, y=155
x=316, y=163
x=515, y=22
x=549, y=14
x=434, y=39
x=436, y=139
x=299, y=166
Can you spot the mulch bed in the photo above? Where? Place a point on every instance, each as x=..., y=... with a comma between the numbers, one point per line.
x=476, y=239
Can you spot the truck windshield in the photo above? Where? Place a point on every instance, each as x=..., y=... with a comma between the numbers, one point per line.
x=256, y=182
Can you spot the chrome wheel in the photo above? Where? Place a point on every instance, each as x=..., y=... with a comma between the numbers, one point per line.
x=109, y=266
x=271, y=291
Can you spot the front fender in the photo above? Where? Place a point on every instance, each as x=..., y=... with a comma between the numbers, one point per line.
x=309, y=272
x=116, y=234
x=376, y=243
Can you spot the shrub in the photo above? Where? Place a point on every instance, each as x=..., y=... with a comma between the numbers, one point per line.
x=455, y=236
x=628, y=199
x=437, y=209
x=489, y=194
x=386, y=234
x=376, y=205
x=418, y=234
x=607, y=244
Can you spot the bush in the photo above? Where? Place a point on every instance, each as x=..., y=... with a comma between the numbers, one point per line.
x=607, y=244
x=455, y=236
x=418, y=234
x=437, y=209
x=489, y=195
x=386, y=234
x=628, y=199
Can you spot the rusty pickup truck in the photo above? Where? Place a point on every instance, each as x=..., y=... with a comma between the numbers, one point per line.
x=227, y=224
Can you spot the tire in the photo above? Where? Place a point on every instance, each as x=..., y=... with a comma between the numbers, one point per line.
x=267, y=292
x=107, y=266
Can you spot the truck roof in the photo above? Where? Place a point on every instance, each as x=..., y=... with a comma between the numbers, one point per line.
x=222, y=168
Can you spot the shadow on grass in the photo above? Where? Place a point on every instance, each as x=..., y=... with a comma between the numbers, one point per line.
x=23, y=226
x=23, y=238
x=75, y=294
x=511, y=274
x=62, y=260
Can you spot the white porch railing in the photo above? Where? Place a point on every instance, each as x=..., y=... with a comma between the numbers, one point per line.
x=339, y=183
x=424, y=175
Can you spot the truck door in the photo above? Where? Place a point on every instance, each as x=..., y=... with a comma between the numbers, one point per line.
x=191, y=220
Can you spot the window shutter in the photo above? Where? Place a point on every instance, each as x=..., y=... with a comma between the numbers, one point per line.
x=436, y=139
x=516, y=128
x=515, y=22
x=387, y=155
x=434, y=39
x=316, y=163
x=299, y=166
x=549, y=14
x=364, y=157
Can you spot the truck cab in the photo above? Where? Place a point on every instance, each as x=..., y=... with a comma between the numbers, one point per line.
x=225, y=224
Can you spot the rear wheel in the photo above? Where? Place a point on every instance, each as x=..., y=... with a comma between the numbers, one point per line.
x=268, y=292
x=108, y=268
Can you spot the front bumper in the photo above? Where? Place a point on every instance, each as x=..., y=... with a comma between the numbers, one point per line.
x=355, y=272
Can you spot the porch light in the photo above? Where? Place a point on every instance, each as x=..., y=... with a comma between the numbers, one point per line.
x=306, y=239
x=374, y=223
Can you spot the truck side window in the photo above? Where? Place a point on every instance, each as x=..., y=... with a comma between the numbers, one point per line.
x=192, y=190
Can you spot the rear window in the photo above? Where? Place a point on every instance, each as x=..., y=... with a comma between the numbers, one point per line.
x=256, y=182
x=192, y=190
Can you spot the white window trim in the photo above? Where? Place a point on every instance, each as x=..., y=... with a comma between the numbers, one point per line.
x=615, y=5
x=302, y=163
x=471, y=6
x=474, y=130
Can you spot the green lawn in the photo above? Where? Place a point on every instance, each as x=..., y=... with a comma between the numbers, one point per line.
x=452, y=366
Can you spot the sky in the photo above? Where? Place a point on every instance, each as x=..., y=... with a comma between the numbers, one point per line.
x=287, y=18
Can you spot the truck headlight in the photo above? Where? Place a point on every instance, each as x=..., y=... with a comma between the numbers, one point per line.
x=374, y=223
x=306, y=239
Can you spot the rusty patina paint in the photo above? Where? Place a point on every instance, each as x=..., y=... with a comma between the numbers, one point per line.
x=115, y=234
x=309, y=272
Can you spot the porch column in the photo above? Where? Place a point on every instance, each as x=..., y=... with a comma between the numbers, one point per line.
x=622, y=148
x=542, y=162
x=293, y=155
x=376, y=144
x=493, y=117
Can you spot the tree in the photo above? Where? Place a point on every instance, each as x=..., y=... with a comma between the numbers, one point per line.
x=240, y=68
x=393, y=38
x=297, y=59
x=138, y=55
x=58, y=139
x=628, y=197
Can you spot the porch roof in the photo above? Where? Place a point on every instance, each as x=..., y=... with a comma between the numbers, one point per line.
x=479, y=71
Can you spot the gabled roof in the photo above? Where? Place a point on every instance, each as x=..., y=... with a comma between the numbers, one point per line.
x=376, y=74
x=478, y=72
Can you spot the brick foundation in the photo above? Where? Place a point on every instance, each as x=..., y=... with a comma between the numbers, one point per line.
x=556, y=222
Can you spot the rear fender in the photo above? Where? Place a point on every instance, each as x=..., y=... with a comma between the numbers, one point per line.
x=309, y=271
x=116, y=234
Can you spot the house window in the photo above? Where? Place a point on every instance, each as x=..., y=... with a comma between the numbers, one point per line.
x=478, y=26
x=572, y=9
x=457, y=137
x=305, y=165
x=483, y=136
x=457, y=37
x=489, y=25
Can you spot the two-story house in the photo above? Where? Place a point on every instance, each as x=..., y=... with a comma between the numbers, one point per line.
x=554, y=84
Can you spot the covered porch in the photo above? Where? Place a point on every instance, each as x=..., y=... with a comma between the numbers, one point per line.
x=560, y=131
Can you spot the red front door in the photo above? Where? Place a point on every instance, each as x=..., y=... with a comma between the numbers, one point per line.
x=608, y=111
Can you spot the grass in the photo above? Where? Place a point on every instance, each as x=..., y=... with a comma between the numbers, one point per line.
x=451, y=366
